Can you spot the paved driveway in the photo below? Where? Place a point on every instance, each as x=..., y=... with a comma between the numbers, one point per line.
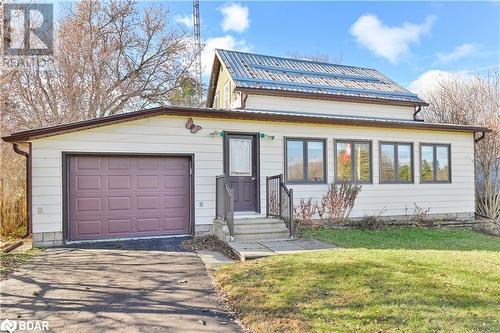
x=126, y=286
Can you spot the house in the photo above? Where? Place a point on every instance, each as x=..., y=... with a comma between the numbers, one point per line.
x=157, y=172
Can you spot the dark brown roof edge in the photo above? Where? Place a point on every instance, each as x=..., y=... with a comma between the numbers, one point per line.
x=328, y=97
x=232, y=114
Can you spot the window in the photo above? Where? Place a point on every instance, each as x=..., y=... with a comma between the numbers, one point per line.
x=353, y=161
x=227, y=94
x=396, y=162
x=240, y=159
x=305, y=161
x=435, y=163
x=216, y=100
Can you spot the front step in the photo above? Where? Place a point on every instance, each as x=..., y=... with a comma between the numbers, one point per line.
x=259, y=228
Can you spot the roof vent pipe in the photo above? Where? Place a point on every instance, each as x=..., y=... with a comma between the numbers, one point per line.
x=28, y=186
x=416, y=112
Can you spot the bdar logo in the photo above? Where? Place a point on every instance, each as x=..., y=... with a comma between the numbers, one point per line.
x=8, y=326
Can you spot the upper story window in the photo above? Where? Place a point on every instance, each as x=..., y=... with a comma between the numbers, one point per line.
x=435, y=164
x=396, y=162
x=227, y=94
x=216, y=100
x=305, y=161
x=353, y=161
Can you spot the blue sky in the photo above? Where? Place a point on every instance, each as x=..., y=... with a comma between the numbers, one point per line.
x=404, y=40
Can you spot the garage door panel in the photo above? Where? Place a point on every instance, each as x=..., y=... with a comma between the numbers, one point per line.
x=88, y=183
x=175, y=201
x=119, y=203
x=151, y=224
x=88, y=163
x=119, y=226
x=92, y=227
x=147, y=203
x=119, y=163
x=127, y=196
x=88, y=204
x=147, y=163
x=119, y=182
x=148, y=182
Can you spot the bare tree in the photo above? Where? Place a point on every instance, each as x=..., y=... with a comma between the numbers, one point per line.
x=474, y=100
x=109, y=58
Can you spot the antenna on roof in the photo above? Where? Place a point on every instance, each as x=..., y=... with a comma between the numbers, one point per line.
x=197, y=45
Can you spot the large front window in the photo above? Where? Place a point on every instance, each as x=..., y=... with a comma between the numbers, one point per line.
x=435, y=163
x=353, y=161
x=396, y=162
x=305, y=161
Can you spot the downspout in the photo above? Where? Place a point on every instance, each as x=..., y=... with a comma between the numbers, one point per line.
x=477, y=140
x=27, y=155
x=481, y=137
x=416, y=112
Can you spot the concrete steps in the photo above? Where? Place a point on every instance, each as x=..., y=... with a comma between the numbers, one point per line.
x=259, y=228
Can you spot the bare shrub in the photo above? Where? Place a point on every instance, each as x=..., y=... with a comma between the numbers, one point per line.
x=418, y=216
x=372, y=222
x=304, y=213
x=336, y=204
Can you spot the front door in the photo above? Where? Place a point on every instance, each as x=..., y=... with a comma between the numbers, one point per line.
x=241, y=159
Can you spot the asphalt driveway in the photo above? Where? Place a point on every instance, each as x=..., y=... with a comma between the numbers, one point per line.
x=135, y=286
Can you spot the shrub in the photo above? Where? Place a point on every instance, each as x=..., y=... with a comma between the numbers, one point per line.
x=336, y=204
x=371, y=222
x=303, y=213
x=419, y=215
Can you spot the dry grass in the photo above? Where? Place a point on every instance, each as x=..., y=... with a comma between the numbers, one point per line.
x=12, y=194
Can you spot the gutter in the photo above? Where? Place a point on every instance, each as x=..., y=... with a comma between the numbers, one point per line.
x=27, y=155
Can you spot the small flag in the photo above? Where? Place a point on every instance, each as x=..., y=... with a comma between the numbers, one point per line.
x=347, y=154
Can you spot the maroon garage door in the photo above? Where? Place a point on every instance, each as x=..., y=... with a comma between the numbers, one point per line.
x=128, y=196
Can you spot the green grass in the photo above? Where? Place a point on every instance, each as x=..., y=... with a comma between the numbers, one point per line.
x=10, y=262
x=409, y=238
x=413, y=286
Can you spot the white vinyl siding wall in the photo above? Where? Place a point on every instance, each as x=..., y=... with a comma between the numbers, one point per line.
x=167, y=134
x=261, y=102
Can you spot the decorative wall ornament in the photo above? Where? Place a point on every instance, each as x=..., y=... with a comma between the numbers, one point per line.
x=192, y=127
x=217, y=132
x=266, y=136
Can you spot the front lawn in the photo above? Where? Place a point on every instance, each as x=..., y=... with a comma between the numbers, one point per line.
x=409, y=238
x=406, y=288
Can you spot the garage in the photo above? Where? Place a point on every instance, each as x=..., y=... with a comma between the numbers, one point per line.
x=127, y=196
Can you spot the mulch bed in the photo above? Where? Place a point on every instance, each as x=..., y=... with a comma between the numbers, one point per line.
x=209, y=242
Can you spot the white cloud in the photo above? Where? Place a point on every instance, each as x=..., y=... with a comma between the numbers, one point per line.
x=388, y=42
x=458, y=52
x=235, y=17
x=186, y=20
x=431, y=80
x=226, y=42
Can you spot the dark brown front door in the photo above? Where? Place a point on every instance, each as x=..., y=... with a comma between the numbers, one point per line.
x=128, y=196
x=241, y=168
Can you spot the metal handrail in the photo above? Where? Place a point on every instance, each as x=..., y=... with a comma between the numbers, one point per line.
x=224, y=203
x=279, y=201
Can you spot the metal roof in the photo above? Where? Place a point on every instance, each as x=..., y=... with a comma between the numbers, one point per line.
x=254, y=71
x=244, y=114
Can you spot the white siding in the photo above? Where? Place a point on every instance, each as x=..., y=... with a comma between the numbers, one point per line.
x=261, y=102
x=166, y=134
